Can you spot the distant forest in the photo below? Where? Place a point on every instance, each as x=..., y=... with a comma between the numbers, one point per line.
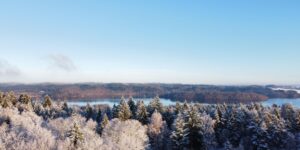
x=175, y=92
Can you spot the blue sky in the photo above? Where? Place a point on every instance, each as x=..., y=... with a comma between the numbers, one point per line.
x=206, y=42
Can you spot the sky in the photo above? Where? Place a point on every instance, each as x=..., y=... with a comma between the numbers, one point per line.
x=171, y=41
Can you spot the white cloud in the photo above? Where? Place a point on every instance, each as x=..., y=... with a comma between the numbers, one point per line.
x=62, y=62
x=8, y=70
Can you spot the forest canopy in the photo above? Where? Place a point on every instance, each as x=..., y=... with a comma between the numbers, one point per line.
x=47, y=124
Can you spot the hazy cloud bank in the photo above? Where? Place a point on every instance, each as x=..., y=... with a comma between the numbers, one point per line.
x=8, y=70
x=62, y=62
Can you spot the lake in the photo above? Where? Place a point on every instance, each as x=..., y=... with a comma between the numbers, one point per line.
x=111, y=102
x=280, y=101
x=167, y=102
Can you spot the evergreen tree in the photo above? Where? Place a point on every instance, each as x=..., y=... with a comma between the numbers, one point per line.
x=155, y=104
x=220, y=126
x=65, y=107
x=12, y=98
x=24, y=99
x=178, y=135
x=141, y=113
x=132, y=107
x=169, y=116
x=5, y=103
x=99, y=116
x=88, y=112
x=260, y=135
x=194, y=138
x=185, y=106
x=103, y=124
x=75, y=135
x=115, y=111
x=234, y=127
x=178, y=108
x=158, y=132
x=124, y=112
x=47, y=102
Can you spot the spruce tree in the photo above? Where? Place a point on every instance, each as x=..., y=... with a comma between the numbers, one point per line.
x=12, y=98
x=5, y=103
x=179, y=132
x=124, y=112
x=75, y=135
x=47, y=102
x=115, y=111
x=194, y=138
x=88, y=112
x=141, y=113
x=103, y=124
x=178, y=108
x=132, y=107
x=24, y=99
x=155, y=104
x=99, y=116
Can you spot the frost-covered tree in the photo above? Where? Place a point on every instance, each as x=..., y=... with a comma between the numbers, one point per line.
x=141, y=113
x=125, y=135
x=24, y=131
x=115, y=111
x=178, y=108
x=47, y=102
x=194, y=138
x=103, y=124
x=155, y=104
x=132, y=107
x=88, y=112
x=75, y=135
x=178, y=134
x=169, y=116
x=207, y=131
x=157, y=131
x=99, y=116
x=24, y=99
x=124, y=112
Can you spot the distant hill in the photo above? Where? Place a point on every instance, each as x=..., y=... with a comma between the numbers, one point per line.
x=176, y=92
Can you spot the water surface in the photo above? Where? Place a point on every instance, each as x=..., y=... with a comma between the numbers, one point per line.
x=111, y=102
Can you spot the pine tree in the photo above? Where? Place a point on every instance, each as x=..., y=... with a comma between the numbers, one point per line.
x=234, y=127
x=12, y=98
x=194, y=138
x=124, y=112
x=178, y=135
x=141, y=113
x=169, y=116
x=178, y=108
x=99, y=116
x=115, y=111
x=89, y=112
x=5, y=103
x=185, y=106
x=47, y=102
x=24, y=99
x=157, y=132
x=155, y=104
x=103, y=124
x=75, y=135
x=132, y=107
x=65, y=107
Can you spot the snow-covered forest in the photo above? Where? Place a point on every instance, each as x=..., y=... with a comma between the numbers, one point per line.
x=49, y=124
